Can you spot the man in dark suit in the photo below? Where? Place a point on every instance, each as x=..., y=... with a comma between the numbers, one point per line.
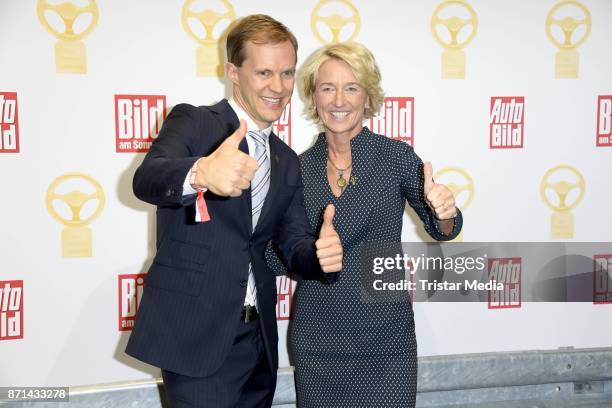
x=207, y=317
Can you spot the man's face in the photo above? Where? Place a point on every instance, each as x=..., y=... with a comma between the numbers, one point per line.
x=264, y=83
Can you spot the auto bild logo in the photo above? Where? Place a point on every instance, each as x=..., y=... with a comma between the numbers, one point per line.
x=138, y=120
x=130, y=294
x=284, y=294
x=9, y=123
x=602, y=279
x=604, y=121
x=11, y=310
x=396, y=119
x=282, y=127
x=507, y=122
x=508, y=272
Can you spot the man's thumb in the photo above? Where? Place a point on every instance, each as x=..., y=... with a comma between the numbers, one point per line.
x=328, y=216
x=236, y=137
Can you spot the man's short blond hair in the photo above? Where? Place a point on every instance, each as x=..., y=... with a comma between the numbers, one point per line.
x=258, y=29
x=363, y=65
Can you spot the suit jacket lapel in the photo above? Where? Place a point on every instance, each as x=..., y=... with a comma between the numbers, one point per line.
x=246, y=194
x=231, y=122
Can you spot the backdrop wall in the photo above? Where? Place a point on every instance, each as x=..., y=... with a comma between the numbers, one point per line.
x=510, y=109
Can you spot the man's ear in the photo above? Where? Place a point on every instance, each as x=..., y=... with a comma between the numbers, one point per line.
x=231, y=72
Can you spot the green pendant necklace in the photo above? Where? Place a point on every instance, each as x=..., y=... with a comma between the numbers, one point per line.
x=341, y=182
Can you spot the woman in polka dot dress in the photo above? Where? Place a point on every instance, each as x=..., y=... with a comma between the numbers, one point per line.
x=349, y=349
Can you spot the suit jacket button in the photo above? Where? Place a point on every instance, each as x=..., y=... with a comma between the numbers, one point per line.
x=243, y=283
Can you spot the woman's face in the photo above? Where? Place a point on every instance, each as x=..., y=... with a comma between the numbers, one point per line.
x=340, y=99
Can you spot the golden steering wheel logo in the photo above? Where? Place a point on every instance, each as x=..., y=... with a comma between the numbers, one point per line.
x=454, y=16
x=461, y=184
x=74, y=23
x=207, y=27
x=330, y=18
x=567, y=33
x=75, y=200
x=568, y=187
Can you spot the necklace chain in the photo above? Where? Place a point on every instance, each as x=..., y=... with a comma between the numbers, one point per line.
x=341, y=182
x=338, y=168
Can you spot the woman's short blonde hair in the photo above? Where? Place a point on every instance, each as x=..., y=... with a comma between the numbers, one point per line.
x=363, y=65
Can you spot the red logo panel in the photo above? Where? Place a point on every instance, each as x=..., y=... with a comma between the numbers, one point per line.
x=507, y=271
x=602, y=279
x=11, y=310
x=284, y=294
x=9, y=123
x=604, y=120
x=138, y=120
x=507, y=122
x=395, y=119
x=130, y=293
x=282, y=127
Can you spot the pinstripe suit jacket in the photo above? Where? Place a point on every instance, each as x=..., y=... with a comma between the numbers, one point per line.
x=195, y=288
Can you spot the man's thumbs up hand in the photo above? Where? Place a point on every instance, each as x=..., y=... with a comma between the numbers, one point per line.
x=236, y=137
x=227, y=171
